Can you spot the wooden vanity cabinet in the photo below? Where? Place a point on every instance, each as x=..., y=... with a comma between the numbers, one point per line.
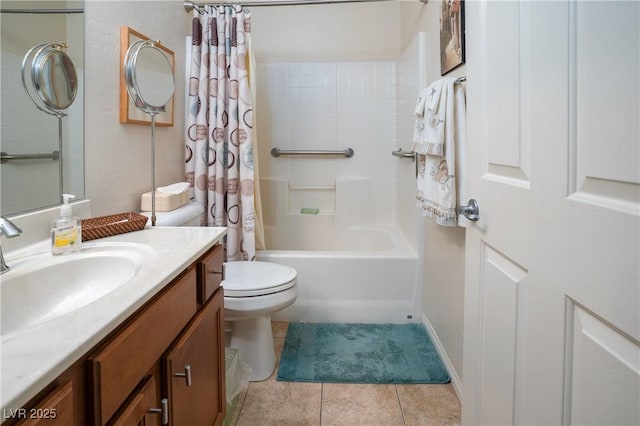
x=56, y=409
x=124, y=378
x=173, y=350
x=60, y=403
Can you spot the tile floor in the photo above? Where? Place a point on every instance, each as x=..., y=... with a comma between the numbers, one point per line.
x=287, y=403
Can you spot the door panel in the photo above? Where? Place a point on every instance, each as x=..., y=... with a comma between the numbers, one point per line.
x=501, y=287
x=505, y=131
x=602, y=372
x=552, y=298
x=605, y=70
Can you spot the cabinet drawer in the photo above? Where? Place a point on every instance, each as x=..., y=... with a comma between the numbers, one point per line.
x=210, y=273
x=138, y=410
x=124, y=361
x=55, y=409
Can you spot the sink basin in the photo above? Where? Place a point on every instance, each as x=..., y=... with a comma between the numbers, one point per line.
x=42, y=287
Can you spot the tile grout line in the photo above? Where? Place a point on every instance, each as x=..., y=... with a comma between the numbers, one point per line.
x=321, y=401
x=404, y=422
x=244, y=397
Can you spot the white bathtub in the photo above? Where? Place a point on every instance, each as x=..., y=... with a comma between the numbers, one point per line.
x=363, y=274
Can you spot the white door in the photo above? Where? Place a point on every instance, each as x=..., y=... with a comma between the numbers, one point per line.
x=552, y=320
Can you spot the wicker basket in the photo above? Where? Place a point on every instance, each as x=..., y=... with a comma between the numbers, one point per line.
x=106, y=226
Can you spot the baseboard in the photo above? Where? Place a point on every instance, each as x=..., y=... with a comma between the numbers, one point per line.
x=455, y=380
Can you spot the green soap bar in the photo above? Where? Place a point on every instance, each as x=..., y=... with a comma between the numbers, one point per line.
x=309, y=210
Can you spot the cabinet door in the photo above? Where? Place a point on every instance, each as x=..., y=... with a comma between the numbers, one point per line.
x=56, y=409
x=136, y=412
x=194, y=369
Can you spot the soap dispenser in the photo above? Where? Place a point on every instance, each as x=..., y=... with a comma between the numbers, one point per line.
x=66, y=230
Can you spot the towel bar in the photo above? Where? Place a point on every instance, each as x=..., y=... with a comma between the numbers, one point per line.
x=4, y=157
x=404, y=154
x=277, y=152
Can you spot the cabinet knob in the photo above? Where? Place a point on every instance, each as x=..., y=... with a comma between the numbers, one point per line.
x=163, y=411
x=186, y=374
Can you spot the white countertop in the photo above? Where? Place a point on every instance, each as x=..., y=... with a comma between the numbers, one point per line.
x=32, y=358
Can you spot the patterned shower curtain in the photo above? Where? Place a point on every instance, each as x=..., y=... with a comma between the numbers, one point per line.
x=219, y=128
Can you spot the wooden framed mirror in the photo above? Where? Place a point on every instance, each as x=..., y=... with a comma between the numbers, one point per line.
x=129, y=113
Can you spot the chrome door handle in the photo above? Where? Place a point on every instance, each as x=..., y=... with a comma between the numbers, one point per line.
x=164, y=411
x=186, y=374
x=471, y=211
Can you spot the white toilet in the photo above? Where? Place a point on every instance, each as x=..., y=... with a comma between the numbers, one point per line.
x=252, y=292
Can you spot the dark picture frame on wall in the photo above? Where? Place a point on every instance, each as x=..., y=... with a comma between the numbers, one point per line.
x=451, y=35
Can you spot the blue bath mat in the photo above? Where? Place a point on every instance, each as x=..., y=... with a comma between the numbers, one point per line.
x=360, y=353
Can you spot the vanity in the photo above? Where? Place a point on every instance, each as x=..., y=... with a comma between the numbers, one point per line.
x=148, y=351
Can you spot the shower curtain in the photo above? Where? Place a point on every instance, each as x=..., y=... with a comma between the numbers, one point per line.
x=219, y=129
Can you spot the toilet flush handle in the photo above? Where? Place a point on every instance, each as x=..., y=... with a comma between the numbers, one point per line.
x=186, y=374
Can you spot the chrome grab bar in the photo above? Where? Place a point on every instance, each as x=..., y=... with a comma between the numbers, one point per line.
x=277, y=152
x=404, y=154
x=4, y=157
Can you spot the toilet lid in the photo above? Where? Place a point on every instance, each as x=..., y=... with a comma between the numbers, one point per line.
x=245, y=278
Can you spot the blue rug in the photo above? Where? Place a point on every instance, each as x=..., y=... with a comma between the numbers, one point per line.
x=360, y=353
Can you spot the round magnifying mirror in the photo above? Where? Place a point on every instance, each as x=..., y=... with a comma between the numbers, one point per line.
x=55, y=79
x=149, y=76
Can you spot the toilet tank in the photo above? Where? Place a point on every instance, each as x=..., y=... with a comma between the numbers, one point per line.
x=187, y=215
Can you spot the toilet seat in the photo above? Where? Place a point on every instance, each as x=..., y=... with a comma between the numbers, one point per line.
x=245, y=278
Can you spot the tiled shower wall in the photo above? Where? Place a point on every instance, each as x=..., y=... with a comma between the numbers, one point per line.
x=26, y=184
x=330, y=106
x=411, y=78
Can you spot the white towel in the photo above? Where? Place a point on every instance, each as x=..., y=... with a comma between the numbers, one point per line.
x=422, y=101
x=436, y=184
x=429, y=131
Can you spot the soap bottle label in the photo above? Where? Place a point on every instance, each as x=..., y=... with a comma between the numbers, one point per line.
x=65, y=239
x=65, y=236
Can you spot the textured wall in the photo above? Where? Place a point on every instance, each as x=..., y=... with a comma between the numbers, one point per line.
x=118, y=156
x=335, y=32
x=443, y=257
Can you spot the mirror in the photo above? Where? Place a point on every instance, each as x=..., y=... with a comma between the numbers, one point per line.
x=148, y=75
x=147, y=82
x=50, y=73
x=34, y=183
x=55, y=77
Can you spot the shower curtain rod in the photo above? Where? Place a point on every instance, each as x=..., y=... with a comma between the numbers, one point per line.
x=43, y=11
x=189, y=5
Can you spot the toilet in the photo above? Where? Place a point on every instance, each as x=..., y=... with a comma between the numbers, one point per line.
x=252, y=292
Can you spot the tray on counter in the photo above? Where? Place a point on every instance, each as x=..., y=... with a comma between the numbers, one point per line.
x=106, y=226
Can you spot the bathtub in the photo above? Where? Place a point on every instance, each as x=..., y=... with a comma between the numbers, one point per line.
x=360, y=274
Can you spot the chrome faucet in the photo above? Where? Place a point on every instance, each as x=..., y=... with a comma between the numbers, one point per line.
x=9, y=230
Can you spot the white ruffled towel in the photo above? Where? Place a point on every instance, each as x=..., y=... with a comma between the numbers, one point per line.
x=440, y=140
x=429, y=131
